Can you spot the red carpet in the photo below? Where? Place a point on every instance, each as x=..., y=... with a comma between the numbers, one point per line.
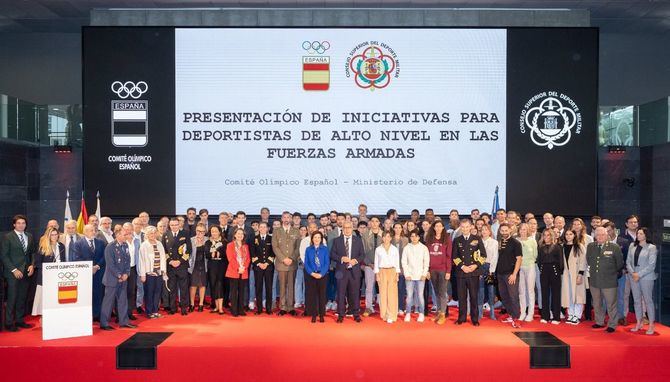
x=211, y=347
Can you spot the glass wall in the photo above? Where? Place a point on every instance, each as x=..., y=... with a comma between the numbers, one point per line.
x=617, y=126
x=40, y=124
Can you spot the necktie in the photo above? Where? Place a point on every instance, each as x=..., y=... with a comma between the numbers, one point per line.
x=71, y=239
x=374, y=246
x=23, y=242
x=346, y=249
x=316, y=259
x=90, y=245
x=339, y=231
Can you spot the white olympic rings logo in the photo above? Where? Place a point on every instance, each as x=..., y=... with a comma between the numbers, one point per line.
x=129, y=89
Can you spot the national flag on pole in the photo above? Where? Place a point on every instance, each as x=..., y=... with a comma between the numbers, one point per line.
x=496, y=204
x=97, y=209
x=82, y=220
x=68, y=211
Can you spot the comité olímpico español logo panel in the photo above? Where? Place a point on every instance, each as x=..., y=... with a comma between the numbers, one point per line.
x=551, y=119
x=315, y=66
x=130, y=122
x=373, y=65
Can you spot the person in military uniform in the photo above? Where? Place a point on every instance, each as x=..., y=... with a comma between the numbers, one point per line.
x=262, y=259
x=285, y=243
x=605, y=261
x=468, y=255
x=178, y=249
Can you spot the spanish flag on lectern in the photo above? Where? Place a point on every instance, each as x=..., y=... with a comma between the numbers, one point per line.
x=82, y=220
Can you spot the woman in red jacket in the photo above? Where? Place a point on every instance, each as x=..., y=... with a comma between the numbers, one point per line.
x=237, y=253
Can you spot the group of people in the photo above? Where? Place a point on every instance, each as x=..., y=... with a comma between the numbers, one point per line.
x=479, y=263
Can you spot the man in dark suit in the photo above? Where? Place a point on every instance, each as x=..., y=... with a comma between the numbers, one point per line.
x=226, y=231
x=262, y=259
x=178, y=250
x=92, y=249
x=348, y=252
x=469, y=255
x=115, y=281
x=17, y=252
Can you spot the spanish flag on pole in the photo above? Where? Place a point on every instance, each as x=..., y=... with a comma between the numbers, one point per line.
x=82, y=220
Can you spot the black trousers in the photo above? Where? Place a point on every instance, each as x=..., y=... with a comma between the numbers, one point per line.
x=467, y=285
x=17, y=290
x=237, y=287
x=348, y=288
x=588, y=306
x=178, y=285
x=315, y=295
x=132, y=290
x=263, y=281
x=550, y=281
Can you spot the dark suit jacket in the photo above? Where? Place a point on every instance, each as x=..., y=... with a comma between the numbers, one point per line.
x=261, y=252
x=13, y=256
x=82, y=252
x=172, y=244
x=357, y=252
x=41, y=258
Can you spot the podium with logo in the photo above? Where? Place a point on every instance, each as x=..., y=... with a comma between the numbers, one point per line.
x=66, y=300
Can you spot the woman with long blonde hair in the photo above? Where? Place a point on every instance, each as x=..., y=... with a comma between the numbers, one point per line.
x=50, y=250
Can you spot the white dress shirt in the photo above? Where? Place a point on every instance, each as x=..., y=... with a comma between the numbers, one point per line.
x=384, y=259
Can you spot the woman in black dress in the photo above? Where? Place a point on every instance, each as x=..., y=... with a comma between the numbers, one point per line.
x=217, y=263
x=198, y=267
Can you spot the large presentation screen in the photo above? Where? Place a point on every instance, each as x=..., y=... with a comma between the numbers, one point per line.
x=314, y=119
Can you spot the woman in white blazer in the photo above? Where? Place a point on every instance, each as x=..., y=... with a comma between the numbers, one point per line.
x=152, y=270
x=641, y=266
x=573, y=285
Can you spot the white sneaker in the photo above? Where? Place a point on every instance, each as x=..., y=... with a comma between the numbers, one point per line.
x=543, y=321
x=554, y=322
x=252, y=306
x=401, y=312
x=390, y=321
x=334, y=305
x=297, y=305
x=486, y=306
x=421, y=317
x=452, y=303
x=562, y=315
x=522, y=317
x=408, y=317
x=529, y=319
x=328, y=305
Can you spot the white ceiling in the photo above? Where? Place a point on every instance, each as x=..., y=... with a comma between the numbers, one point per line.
x=617, y=16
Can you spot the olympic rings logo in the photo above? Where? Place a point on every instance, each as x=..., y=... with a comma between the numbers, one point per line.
x=129, y=89
x=68, y=275
x=316, y=46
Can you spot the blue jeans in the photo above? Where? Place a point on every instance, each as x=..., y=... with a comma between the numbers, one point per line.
x=414, y=290
x=250, y=293
x=140, y=293
x=491, y=289
x=300, y=284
